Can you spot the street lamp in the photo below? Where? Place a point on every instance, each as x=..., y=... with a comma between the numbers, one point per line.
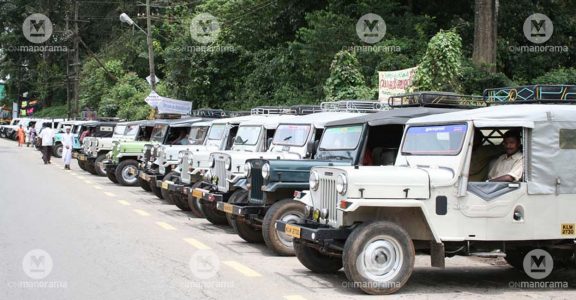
x=124, y=18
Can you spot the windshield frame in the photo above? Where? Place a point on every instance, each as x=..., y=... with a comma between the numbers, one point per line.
x=164, y=130
x=280, y=143
x=361, y=125
x=260, y=127
x=214, y=126
x=404, y=153
x=197, y=129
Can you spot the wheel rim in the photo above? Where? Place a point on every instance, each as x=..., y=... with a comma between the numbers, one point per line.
x=290, y=218
x=59, y=151
x=381, y=259
x=101, y=168
x=129, y=174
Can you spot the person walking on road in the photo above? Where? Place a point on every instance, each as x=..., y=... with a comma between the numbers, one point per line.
x=20, y=136
x=47, y=136
x=31, y=135
x=67, y=148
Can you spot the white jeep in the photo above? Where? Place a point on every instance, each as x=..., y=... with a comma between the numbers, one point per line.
x=372, y=220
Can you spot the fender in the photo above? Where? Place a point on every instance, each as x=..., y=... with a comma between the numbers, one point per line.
x=273, y=187
x=241, y=184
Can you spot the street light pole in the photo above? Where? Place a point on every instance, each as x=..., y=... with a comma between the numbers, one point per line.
x=150, y=46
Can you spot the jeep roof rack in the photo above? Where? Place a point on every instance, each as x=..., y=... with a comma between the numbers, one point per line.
x=360, y=106
x=270, y=110
x=526, y=94
x=305, y=109
x=209, y=113
x=436, y=99
x=238, y=113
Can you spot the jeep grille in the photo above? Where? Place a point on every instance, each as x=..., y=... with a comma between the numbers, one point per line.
x=256, y=180
x=220, y=173
x=327, y=196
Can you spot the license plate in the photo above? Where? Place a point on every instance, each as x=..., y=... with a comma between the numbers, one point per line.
x=164, y=185
x=74, y=155
x=228, y=208
x=197, y=193
x=293, y=231
x=81, y=157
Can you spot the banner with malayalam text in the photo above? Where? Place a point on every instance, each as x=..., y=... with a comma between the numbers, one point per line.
x=394, y=82
x=168, y=105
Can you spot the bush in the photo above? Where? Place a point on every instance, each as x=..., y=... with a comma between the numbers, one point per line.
x=475, y=80
x=558, y=76
x=60, y=111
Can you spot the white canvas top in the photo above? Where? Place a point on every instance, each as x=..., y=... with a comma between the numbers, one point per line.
x=319, y=120
x=521, y=115
x=268, y=121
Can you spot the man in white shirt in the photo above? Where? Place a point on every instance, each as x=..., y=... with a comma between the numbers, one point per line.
x=67, y=148
x=509, y=167
x=47, y=136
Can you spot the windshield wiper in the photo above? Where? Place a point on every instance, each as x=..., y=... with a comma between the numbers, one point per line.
x=287, y=138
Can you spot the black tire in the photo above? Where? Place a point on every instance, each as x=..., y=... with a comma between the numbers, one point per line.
x=390, y=247
x=239, y=196
x=515, y=257
x=213, y=215
x=156, y=190
x=90, y=168
x=112, y=176
x=128, y=168
x=98, y=167
x=82, y=165
x=57, y=151
x=171, y=176
x=314, y=260
x=245, y=230
x=145, y=185
x=180, y=200
x=194, y=203
x=288, y=210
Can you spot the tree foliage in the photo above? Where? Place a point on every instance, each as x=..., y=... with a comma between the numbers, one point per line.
x=345, y=81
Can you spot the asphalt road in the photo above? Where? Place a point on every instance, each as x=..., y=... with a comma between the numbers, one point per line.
x=92, y=239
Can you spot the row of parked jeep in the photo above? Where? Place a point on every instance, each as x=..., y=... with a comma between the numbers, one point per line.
x=365, y=186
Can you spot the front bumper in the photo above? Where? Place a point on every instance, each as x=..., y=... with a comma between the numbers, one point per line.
x=207, y=195
x=314, y=232
x=243, y=210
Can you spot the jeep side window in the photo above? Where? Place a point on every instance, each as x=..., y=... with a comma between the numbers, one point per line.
x=382, y=145
x=485, y=148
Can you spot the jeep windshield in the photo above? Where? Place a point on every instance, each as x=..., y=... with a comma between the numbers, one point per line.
x=291, y=135
x=341, y=138
x=132, y=130
x=197, y=135
x=247, y=135
x=119, y=130
x=158, y=133
x=434, y=140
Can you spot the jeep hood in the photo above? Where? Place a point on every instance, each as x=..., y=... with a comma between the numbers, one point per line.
x=387, y=182
x=291, y=170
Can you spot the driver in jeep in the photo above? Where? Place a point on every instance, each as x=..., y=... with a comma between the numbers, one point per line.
x=509, y=167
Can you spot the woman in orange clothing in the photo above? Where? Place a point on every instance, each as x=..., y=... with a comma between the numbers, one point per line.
x=21, y=136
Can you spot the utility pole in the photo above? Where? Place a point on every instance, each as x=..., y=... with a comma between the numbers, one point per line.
x=68, y=103
x=76, y=60
x=150, y=46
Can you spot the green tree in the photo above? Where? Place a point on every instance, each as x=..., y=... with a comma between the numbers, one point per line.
x=345, y=81
x=441, y=66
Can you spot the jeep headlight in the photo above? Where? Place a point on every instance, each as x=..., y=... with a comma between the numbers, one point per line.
x=247, y=169
x=266, y=171
x=314, y=180
x=341, y=184
x=228, y=163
